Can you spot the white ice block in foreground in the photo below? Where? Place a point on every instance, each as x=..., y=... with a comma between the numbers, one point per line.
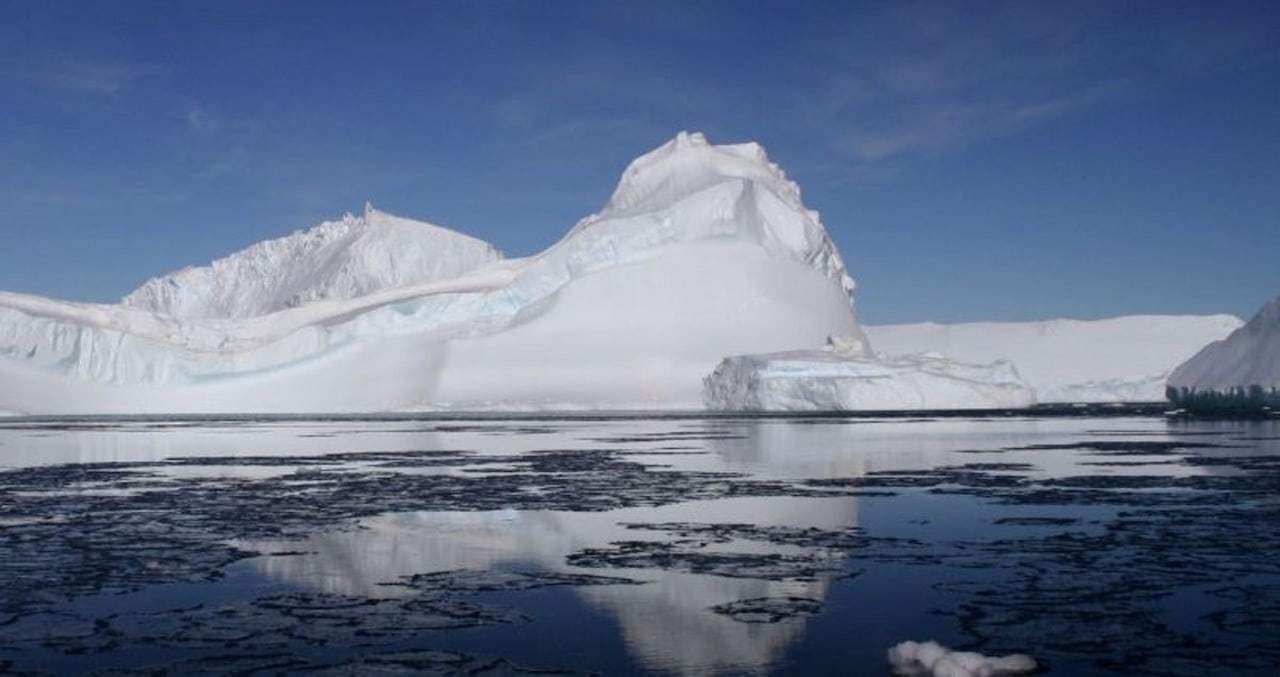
x=839, y=379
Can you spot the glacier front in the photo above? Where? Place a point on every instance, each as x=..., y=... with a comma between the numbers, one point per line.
x=702, y=251
x=845, y=376
x=1121, y=359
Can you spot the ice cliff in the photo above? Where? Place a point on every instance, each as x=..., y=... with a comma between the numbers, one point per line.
x=843, y=377
x=1242, y=371
x=1122, y=359
x=702, y=251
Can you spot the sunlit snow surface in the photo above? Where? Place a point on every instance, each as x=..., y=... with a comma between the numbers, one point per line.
x=1116, y=544
x=1119, y=359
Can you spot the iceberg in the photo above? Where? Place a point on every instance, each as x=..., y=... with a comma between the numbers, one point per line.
x=845, y=377
x=1238, y=373
x=702, y=251
x=1121, y=359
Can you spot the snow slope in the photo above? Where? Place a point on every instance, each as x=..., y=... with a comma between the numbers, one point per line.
x=702, y=251
x=836, y=379
x=340, y=259
x=1236, y=370
x=1112, y=360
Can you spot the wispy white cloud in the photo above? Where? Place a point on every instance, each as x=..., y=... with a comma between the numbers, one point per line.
x=955, y=80
x=957, y=122
x=83, y=76
x=200, y=121
x=585, y=128
x=232, y=161
x=949, y=79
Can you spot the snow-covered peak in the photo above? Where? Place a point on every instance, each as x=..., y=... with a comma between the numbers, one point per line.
x=340, y=259
x=690, y=189
x=688, y=164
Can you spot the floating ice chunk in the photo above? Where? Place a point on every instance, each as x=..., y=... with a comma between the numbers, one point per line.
x=932, y=659
x=845, y=376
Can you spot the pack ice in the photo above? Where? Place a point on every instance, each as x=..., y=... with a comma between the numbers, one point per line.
x=702, y=251
x=1122, y=359
x=1242, y=371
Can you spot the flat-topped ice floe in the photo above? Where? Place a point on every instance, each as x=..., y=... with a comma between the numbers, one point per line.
x=845, y=377
x=702, y=251
x=1240, y=372
x=1121, y=359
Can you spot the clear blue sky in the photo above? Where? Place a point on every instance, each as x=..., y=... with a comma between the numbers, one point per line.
x=973, y=161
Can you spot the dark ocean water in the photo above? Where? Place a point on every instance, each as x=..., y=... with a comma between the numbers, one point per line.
x=1104, y=542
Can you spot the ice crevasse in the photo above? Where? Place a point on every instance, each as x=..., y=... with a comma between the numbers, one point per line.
x=703, y=251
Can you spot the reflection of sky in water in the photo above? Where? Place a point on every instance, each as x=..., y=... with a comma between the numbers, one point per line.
x=668, y=623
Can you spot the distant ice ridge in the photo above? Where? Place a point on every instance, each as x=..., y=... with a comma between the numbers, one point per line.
x=930, y=659
x=1240, y=371
x=844, y=376
x=702, y=251
x=341, y=259
x=1122, y=359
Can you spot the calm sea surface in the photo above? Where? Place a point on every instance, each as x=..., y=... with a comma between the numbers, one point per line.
x=704, y=545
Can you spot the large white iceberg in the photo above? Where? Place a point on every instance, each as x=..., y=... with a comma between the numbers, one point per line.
x=844, y=376
x=702, y=251
x=1242, y=371
x=1122, y=359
